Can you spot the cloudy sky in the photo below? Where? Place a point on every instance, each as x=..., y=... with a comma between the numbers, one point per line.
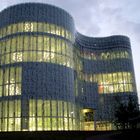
x=102, y=18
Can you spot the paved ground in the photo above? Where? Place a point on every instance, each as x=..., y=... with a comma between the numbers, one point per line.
x=72, y=135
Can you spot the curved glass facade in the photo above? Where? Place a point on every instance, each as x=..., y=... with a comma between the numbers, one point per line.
x=36, y=48
x=54, y=78
x=106, y=62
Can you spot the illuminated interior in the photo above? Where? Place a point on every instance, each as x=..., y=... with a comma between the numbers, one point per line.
x=35, y=27
x=43, y=115
x=118, y=54
x=10, y=81
x=42, y=49
x=10, y=118
x=114, y=82
x=51, y=115
x=87, y=119
x=104, y=125
x=111, y=82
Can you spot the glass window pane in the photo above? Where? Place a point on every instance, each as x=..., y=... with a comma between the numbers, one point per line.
x=6, y=76
x=54, y=123
x=39, y=123
x=53, y=108
x=7, y=58
x=52, y=45
x=52, y=27
x=17, y=108
x=9, y=30
x=1, y=91
x=47, y=108
x=17, y=124
x=11, y=109
x=32, y=123
x=8, y=42
x=20, y=27
x=19, y=43
x=47, y=123
x=39, y=107
x=13, y=45
x=46, y=44
x=40, y=43
x=33, y=43
x=11, y=124
x=14, y=28
x=26, y=43
x=46, y=28
x=1, y=76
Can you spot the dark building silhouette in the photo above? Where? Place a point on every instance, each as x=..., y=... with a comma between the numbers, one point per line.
x=54, y=78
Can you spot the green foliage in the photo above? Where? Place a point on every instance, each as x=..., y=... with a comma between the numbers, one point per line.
x=126, y=114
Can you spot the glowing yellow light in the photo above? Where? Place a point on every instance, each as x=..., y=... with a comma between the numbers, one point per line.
x=52, y=55
x=28, y=27
x=46, y=56
x=19, y=57
x=87, y=110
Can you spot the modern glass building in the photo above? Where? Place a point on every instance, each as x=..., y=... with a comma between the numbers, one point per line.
x=54, y=78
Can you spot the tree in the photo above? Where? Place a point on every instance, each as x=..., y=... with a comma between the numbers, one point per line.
x=125, y=114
